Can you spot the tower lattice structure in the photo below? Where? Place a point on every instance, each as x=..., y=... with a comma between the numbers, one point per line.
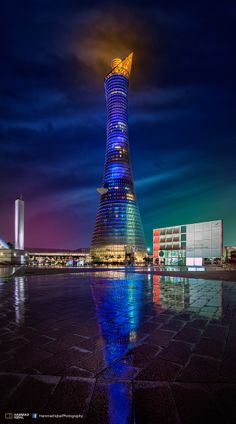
x=118, y=233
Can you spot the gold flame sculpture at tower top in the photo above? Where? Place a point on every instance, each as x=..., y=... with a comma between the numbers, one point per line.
x=122, y=67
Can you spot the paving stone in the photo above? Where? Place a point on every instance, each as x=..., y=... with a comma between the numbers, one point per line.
x=170, y=314
x=14, y=344
x=210, y=347
x=200, y=369
x=75, y=371
x=160, y=319
x=41, y=341
x=72, y=396
x=110, y=403
x=224, y=396
x=228, y=367
x=195, y=404
x=217, y=332
x=177, y=351
x=173, y=325
x=5, y=357
x=58, y=364
x=4, y=330
x=189, y=335
x=88, y=330
x=8, y=383
x=95, y=363
x=32, y=394
x=140, y=356
x=185, y=316
x=148, y=327
x=197, y=323
x=25, y=358
x=118, y=371
x=135, y=336
x=92, y=344
x=222, y=320
x=64, y=343
x=159, y=370
x=160, y=337
x=154, y=404
x=230, y=348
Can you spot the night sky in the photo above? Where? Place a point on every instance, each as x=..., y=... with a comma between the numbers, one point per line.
x=54, y=56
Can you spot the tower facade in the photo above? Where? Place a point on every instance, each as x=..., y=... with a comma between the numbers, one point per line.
x=19, y=223
x=118, y=234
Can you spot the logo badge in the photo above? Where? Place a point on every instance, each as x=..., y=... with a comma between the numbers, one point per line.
x=8, y=416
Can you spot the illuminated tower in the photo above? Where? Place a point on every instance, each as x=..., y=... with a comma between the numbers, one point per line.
x=118, y=234
x=19, y=223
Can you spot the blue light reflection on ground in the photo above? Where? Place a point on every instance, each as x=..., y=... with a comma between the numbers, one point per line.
x=118, y=309
x=113, y=304
x=122, y=300
x=96, y=319
x=119, y=404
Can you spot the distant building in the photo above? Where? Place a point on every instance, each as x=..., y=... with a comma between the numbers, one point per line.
x=19, y=223
x=58, y=257
x=5, y=252
x=9, y=255
x=188, y=244
x=3, y=244
x=230, y=254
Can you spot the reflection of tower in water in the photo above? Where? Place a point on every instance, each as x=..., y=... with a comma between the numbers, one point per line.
x=118, y=300
x=19, y=300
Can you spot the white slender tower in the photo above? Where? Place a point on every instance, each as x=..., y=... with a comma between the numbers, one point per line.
x=19, y=223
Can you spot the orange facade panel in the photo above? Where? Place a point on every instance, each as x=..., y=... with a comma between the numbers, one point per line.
x=156, y=288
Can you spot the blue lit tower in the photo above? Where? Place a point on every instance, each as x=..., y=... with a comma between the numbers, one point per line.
x=118, y=234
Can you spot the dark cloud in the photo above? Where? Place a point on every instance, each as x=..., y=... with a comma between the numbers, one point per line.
x=54, y=56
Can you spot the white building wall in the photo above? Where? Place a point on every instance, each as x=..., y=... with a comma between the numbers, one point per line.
x=19, y=224
x=204, y=239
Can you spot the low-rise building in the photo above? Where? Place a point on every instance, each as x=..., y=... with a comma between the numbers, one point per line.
x=9, y=255
x=230, y=254
x=188, y=244
x=5, y=252
x=58, y=257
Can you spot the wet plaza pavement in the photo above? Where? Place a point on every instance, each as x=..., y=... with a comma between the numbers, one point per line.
x=112, y=347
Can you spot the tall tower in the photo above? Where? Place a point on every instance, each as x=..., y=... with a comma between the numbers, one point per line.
x=118, y=234
x=19, y=223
